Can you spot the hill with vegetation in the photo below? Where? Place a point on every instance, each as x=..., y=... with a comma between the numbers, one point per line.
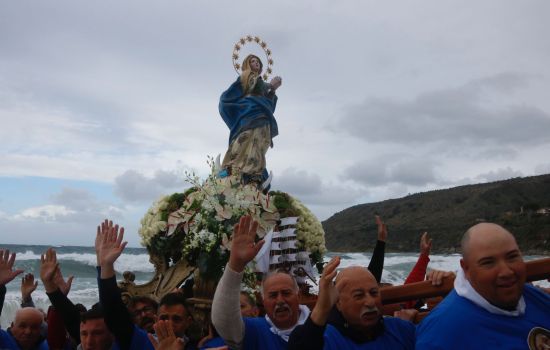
x=522, y=205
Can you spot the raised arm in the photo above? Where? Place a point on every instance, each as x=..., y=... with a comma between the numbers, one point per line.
x=310, y=336
x=109, y=247
x=57, y=289
x=376, y=264
x=28, y=285
x=419, y=270
x=7, y=273
x=226, y=315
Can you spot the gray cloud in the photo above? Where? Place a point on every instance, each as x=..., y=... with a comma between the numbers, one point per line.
x=543, y=168
x=455, y=117
x=310, y=189
x=499, y=174
x=133, y=186
x=76, y=199
x=395, y=169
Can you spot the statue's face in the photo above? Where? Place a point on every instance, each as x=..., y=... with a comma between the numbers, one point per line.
x=255, y=64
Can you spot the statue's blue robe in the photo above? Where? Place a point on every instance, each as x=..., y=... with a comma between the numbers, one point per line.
x=241, y=112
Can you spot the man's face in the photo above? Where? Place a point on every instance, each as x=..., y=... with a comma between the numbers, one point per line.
x=281, y=300
x=494, y=266
x=144, y=316
x=26, y=327
x=359, y=298
x=247, y=309
x=255, y=64
x=94, y=335
x=179, y=317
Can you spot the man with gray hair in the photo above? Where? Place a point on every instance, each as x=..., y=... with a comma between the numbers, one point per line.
x=491, y=306
x=279, y=295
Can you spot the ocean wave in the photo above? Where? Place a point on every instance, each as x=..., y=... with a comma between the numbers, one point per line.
x=126, y=262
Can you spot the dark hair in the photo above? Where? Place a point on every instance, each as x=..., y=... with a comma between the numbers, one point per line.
x=81, y=308
x=95, y=312
x=145, y=300
x=172, y=299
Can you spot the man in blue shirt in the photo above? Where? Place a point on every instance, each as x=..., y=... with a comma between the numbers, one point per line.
x=491, y=307
x=279, y=295
x=359, y=324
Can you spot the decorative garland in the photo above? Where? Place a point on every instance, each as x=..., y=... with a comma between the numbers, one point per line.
x=197, y=225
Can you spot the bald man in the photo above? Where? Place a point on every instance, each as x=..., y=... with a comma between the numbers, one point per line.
x=361, y=325
x=491, y=307
x=24, y=332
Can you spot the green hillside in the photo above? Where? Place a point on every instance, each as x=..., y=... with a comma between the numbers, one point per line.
x=446, y=214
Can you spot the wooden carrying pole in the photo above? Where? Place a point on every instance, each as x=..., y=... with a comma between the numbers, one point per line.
x=536, y=270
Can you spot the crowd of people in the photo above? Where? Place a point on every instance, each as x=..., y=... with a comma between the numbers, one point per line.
x=490, y=307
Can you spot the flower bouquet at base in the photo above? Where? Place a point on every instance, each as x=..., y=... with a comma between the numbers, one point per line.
x=197, y=225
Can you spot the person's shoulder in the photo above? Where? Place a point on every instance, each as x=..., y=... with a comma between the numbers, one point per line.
x=6, y=340
x=533, y=291
x=214, y=342
x=140, y=340
x=451, y=313
x=397, y=323
x=255, y=323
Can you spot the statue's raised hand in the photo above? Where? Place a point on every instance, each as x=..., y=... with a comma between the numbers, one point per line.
x=243, y=245
x=276, y=82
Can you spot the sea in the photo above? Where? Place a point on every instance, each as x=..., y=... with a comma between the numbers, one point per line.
x=81, y=261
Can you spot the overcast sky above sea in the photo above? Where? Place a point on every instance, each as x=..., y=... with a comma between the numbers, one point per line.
x=105, y=104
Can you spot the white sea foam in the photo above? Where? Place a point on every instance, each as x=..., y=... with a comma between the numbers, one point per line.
x=126, y=262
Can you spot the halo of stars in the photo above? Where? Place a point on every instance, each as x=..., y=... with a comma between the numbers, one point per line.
x=252, y=39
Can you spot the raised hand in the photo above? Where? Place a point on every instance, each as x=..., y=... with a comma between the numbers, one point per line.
x=243, y=245
x=276, y=82
x=166, y=339
x=382, y=229
x=28, y=285
x=425, y=244
x=48, y=269
x=110, y=246
x=64, y=286
x=7, y=273
x=437, y=276
x=406, y=314
x=327, y=293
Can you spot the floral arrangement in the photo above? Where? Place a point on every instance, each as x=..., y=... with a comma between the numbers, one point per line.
x=197, y=225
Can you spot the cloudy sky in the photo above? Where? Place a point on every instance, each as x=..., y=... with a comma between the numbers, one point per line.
x=105, y=104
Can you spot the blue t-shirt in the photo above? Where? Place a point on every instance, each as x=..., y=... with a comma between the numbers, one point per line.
x=213, y=343
x=457, y=323
x=257, y=335
x=398, y=334
x=140, y=340
x=7, y=342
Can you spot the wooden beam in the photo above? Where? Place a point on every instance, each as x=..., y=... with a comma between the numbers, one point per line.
x=536, y=270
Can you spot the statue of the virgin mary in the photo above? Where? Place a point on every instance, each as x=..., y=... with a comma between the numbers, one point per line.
x=247, y=108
